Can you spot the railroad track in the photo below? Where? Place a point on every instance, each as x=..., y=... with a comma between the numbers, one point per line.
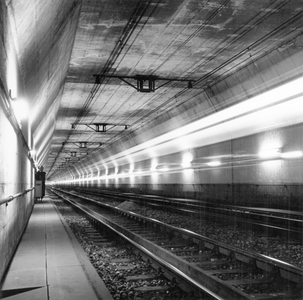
x=272, y=222
x=138, y=274
x=226, y=271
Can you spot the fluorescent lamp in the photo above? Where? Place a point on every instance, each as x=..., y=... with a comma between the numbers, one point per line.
x=162, y=168
x=269, y=153
x=214, y=163
x=283, y=104
x=276, y=108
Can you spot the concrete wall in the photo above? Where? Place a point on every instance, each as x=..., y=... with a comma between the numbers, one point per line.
x=16, y=175
x=16, y=171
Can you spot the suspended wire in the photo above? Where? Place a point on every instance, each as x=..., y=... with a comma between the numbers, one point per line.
x=131, y=25
x=121, y=58
x=195, y=33
x=244, y=30
x=99, y=91
x=172, y=99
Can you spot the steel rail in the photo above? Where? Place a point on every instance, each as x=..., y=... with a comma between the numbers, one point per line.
x=116, y=228
x=179, y=205
x=196, y=236
x=263, y=262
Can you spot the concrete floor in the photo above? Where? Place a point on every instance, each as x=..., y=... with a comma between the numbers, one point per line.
x=50, y=263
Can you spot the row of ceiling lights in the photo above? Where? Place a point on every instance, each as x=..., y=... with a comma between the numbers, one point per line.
x=189, y=163
x=271, y=103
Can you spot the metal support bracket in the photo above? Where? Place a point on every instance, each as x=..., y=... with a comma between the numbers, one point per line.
x=145, y=83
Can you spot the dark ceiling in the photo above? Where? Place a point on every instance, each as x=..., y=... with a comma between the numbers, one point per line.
x=210, y=45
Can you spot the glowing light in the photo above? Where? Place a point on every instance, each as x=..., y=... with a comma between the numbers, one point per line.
x=283, y=104
x=292, y=154
x=271, y=165
x=188, y=176
x=162, y=168
x=214, y=163
x=250, y=109
x=131, y=168
x=32, y=153
x=20, y=108
x=187, y=159
x=116, y=170
x=154, y=163
x=269, y=153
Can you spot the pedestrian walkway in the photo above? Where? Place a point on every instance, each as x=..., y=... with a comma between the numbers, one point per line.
x=49, y=263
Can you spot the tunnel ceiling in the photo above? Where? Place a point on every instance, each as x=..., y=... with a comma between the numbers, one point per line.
x=81, y=62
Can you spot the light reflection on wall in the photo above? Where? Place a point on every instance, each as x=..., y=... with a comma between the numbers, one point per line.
x=9, y=157
x=188, y=176
x=283, y=104
x=12, y=73
x=154, y=173
x=245, y=118
x=131, y=174
x=271, y=170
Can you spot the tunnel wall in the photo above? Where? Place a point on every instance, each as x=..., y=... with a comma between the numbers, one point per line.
x=15, y=176
x=16, y=172
x=239, y=180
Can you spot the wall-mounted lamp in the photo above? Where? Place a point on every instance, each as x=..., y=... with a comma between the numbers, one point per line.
x=269, y=153
x=19, y=107
x=187, y=159
x=214, y=163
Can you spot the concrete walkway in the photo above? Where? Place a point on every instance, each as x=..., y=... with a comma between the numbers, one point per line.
x=50, y=264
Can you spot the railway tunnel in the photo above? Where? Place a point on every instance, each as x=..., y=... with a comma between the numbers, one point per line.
x=171, y=99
